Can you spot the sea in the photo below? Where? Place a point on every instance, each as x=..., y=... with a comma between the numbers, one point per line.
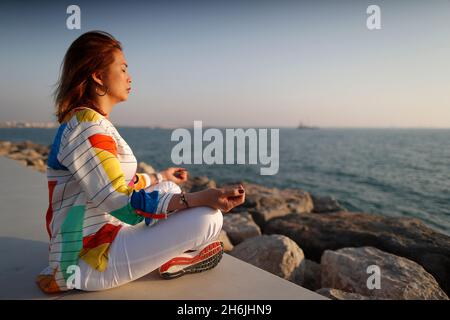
x=392, y=172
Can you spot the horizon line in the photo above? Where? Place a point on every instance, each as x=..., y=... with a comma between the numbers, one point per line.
x=191, y=126
x=272, y=127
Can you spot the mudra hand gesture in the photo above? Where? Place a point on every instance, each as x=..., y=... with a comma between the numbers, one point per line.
x=225, y=198
x=175, y=174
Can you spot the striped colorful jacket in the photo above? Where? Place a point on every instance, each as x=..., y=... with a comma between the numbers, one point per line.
x=93, y=191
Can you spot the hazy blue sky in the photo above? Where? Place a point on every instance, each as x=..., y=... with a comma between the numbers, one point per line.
x=244, y=63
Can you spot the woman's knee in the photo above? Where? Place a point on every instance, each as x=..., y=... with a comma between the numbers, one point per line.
x=210, y=220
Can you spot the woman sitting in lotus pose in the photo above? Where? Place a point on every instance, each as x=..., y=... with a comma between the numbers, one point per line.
x=112, y=224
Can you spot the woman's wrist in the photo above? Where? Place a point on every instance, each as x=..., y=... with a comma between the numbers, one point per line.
x=194, y=199
x=162, y=175
x=156, y=178
x=199, y=199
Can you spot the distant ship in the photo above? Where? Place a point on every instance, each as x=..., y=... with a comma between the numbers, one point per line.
x=303, y=126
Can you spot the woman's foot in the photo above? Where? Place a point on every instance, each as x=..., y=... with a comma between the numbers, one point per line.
x=195, y=261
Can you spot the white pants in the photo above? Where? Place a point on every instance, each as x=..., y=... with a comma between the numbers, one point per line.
x=138, y=250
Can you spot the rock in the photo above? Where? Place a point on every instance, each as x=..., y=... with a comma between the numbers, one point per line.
x=267, y=203
x=30, y=162
x=40, y=165
x=240, y=226
x=5, y=144
x=275, y=253
x=42, y=150
x=326, y=204
x=308, y=275
x=228, y=246
x=38, y=162
x=145, y=168
x=405, y=237
x=18, y=156
x=31, y=154
x=400, y=278
x=27, y=144
x=337, y=294
x=5, y=147
x=13, y=149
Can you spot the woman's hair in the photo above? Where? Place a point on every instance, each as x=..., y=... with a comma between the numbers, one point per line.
x=91, y=52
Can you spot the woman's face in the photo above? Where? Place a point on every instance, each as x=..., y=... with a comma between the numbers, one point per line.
x=117, y=79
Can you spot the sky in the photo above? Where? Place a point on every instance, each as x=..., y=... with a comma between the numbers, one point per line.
x=243, y=63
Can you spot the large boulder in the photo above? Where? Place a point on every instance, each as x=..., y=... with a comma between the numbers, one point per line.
x=405, y=237
x=31, y=154
x=39, y=165
x=326, y=204
x=27, y=144
x=42, y=150
x=350, y=269
x=308, y=275
x=5, y=147
x=17, y=156
x=240, y=226
x=227, y=245
x=337, y=294
x=276, y=254
x=267, y=203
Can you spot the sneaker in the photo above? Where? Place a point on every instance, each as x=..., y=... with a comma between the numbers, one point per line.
x=192, y=262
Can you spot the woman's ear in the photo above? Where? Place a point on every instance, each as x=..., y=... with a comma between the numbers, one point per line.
x=97, y=78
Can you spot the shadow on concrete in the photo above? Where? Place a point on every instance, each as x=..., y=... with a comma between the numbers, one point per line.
x=21, y=262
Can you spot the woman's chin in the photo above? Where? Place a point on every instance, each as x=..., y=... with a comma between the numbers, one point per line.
x=124, y=98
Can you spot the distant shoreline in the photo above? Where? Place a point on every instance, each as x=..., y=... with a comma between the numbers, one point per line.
x=54, y=126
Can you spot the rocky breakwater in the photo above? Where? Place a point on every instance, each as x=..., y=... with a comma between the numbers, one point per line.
x=26, y=153
x=314, y=242
x=403, y=237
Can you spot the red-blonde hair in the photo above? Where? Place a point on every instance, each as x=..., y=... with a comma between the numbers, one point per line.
x=92, y=52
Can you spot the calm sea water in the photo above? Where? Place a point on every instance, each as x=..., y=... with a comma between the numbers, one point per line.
x=394, y=172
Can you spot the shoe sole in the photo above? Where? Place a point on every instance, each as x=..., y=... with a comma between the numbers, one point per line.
x=208, y=258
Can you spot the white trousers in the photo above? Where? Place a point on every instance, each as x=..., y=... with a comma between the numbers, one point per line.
x=138, y=250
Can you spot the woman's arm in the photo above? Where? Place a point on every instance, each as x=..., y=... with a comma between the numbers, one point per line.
x=223, y=199
x=144, y=180
x=174, y=174
x=89, y=152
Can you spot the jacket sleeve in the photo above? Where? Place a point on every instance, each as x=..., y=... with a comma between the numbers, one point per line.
x=90, y=154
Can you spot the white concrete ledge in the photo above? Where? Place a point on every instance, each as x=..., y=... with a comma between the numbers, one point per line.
x=24, y=252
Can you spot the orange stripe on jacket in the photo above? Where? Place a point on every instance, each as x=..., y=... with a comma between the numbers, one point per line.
x=104, y=142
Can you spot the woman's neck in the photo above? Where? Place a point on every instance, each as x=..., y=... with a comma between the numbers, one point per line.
x=105, y=105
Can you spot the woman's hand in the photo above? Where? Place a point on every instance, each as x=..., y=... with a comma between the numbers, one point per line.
x=176, y=175
x=225, y=198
